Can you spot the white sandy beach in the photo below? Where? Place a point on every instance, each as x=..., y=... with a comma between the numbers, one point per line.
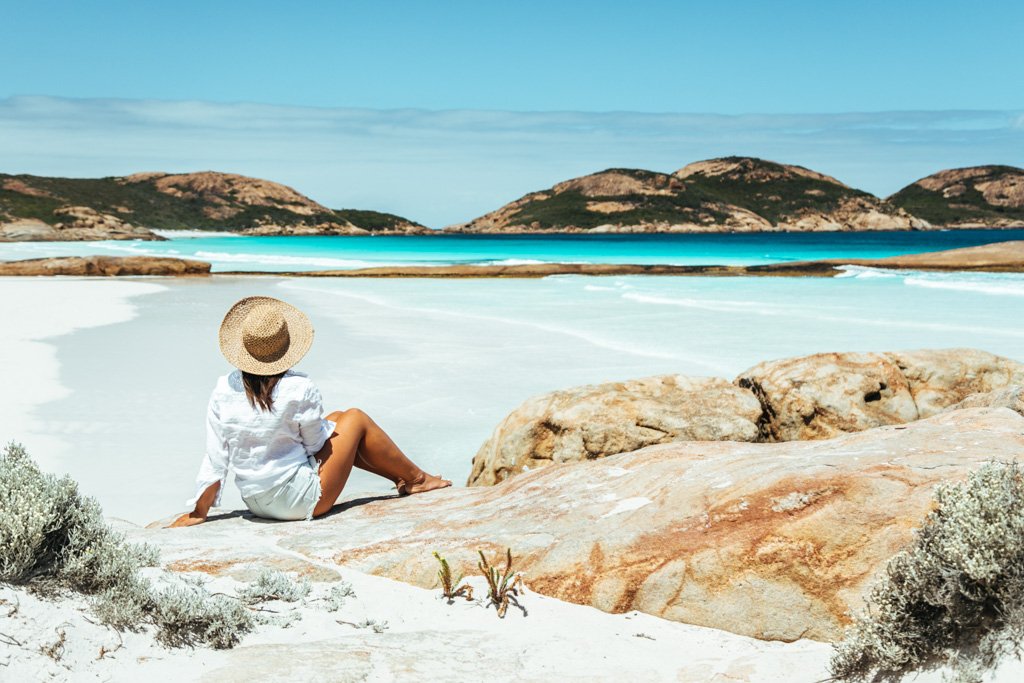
x=423, y=637
x=115, y=374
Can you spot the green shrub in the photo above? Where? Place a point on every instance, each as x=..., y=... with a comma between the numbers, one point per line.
x=336, y=596
x=955, y=595
x=274, y=585
x=54, y=540
x=188, y=616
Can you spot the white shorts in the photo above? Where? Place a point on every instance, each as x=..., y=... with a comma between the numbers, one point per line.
x=293, y=499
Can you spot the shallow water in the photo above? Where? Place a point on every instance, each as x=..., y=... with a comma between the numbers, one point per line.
x=232, y=253
x=440, y=362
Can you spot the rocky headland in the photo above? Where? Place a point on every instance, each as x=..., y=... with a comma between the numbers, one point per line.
x=728, y=194
x=731, y=194
x=979, y=196
x=38, y=208
x=746, y=194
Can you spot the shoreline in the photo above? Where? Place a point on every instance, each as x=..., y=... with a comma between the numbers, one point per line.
x=160, y=234
x=138, y=390
x=31, y=347
x=997, y=257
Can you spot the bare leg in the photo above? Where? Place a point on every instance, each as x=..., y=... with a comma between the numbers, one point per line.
x=359, y=442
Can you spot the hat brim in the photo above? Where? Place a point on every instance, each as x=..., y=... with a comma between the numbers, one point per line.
x=300, y=337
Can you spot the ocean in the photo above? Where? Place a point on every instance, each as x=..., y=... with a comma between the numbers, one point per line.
x=276, y=254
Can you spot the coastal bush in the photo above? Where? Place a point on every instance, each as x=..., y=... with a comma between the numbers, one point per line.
x=274, y=585
x=54, y=540
x=188, y=616
x=955, y=595
x=336, y=596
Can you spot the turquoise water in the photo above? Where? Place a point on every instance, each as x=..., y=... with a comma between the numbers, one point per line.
x=231, y=253
x=439, y=363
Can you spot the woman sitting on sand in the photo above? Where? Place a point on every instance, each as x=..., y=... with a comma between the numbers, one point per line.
x=266, y=423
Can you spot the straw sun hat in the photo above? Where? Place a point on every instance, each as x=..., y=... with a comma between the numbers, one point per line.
x=264, y=336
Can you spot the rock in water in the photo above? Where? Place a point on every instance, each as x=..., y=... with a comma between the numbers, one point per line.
x=105, y=266
x=777, y=541
x=596, y=421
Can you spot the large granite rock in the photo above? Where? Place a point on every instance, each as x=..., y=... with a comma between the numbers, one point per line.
x=596, y=421
x=820, y=396
x=939, y=378
x=1010, y=397
x=772, y=540
x=105, y=266
x=73, y=224
x=809, y=397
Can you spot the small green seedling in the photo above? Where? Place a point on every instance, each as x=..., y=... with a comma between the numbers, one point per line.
x=502, y=586
x=451, y=589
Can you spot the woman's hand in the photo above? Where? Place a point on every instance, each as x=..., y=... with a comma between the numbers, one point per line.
x=187, y=519
x=198, y=515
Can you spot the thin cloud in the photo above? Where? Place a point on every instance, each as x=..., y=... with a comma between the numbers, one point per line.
x=442, y=167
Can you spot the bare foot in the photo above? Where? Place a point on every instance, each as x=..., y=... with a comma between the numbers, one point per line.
x=425, y=482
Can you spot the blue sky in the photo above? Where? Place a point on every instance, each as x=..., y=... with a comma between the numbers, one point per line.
x=725, y=57
x=442, y=110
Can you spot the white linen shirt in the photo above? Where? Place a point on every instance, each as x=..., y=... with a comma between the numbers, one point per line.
x=262, y=448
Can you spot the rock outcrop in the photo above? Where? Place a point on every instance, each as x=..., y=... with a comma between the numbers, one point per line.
x=772, y=540
x=105, y=266
x=821, y=396
x=618, y=417
x=732, y=194
x=978, y=196
x=73, y=224
x=793, y=399
x=1011, y=397
x=130, y=207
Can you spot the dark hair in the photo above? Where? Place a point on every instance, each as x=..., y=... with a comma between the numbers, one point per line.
x=259, y=389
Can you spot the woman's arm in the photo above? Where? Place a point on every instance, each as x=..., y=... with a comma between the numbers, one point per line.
x=212, y=471
x=202, y=509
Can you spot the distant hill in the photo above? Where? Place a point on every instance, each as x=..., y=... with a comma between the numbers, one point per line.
x=989, y=196
x=129, y=207
x=731, y=194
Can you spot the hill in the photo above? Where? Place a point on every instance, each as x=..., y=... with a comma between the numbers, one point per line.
x=984, y=196
x=730, y=194
x=130, y=207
